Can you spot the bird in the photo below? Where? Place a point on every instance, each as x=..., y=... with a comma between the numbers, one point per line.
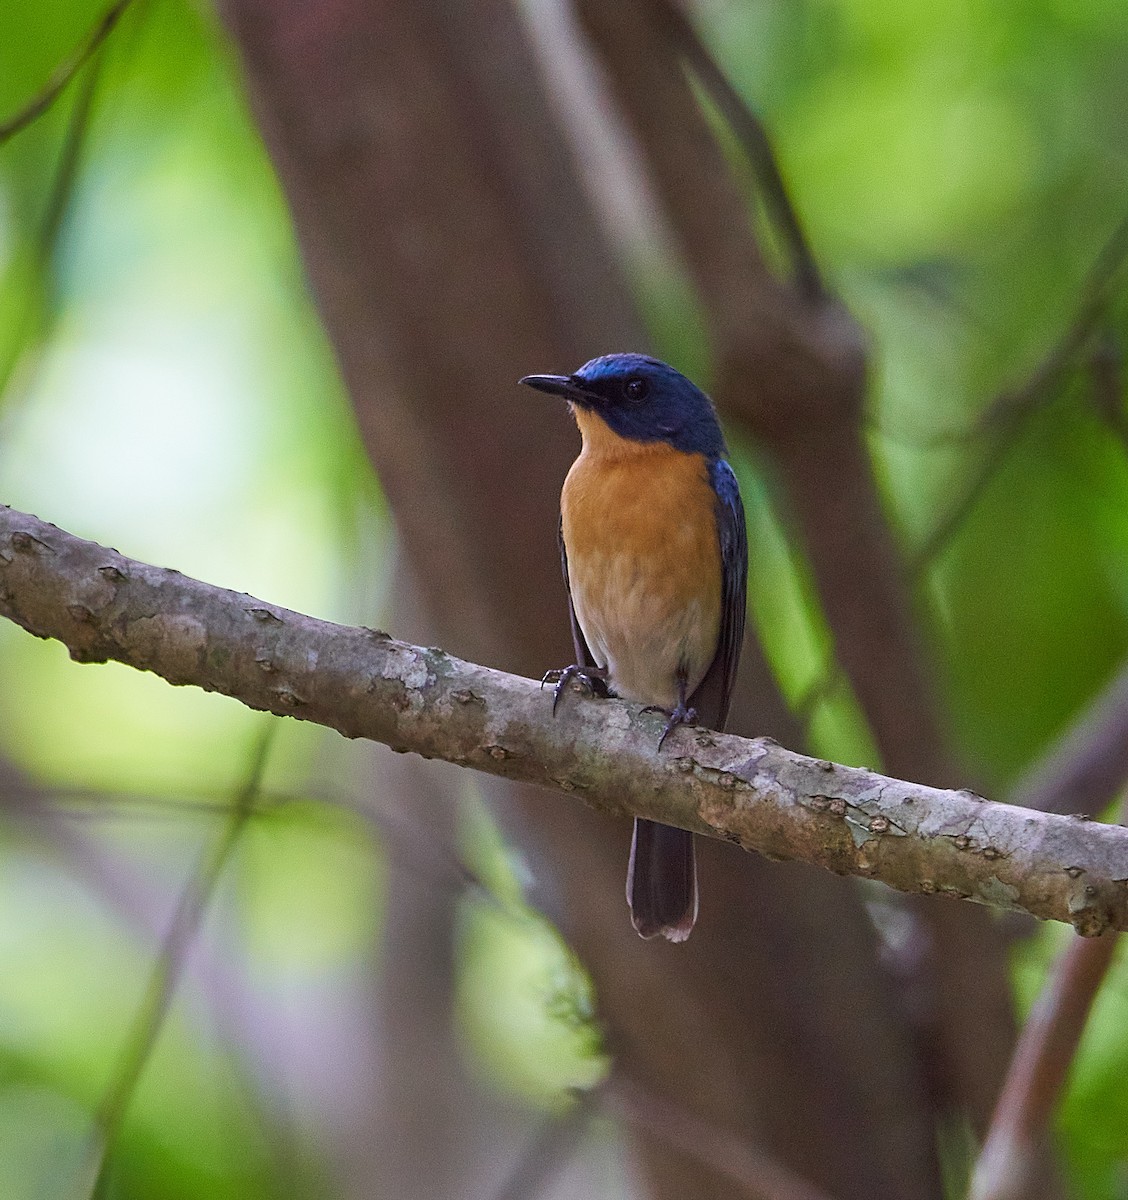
x=654, y=550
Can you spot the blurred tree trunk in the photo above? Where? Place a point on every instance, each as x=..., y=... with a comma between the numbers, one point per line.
x=791, y=369
x=421, y=1084
x=451, y=250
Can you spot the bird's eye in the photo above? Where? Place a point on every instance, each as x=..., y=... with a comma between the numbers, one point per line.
x=636, y=388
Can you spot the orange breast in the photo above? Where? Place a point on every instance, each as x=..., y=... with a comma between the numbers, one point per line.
x=644, y=561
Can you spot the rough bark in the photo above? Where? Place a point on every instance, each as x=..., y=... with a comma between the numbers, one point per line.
x=753, y=793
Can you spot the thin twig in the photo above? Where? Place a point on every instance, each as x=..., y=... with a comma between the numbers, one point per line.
x=167, y=972
x=64, y=73
x=738, y=1160
x=971, y=491
x=1094, y=301
x=35, y=317
x=753, y=139
x=551, y=1148
x=70, y=159
x=1106, y=377
x=1005, y=417
x=1087, y=767
x=408, y=843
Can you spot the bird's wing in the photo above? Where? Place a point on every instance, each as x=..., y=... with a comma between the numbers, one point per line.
x=712, y=697
x=584, y=656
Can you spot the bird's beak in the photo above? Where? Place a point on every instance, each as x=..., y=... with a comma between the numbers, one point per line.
x=554, y=385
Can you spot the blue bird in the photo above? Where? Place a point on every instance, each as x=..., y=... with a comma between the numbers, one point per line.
x=655, y=556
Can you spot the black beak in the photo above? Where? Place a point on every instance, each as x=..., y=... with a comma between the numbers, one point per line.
x=554, y=385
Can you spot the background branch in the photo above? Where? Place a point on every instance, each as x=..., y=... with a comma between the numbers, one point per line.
x=1005, y=417
x=1085, y=769
x=758, y=1175
x=167, y=970
x=62, y=76
x=754, y=141
x=478, y=189
x=1014, y=1154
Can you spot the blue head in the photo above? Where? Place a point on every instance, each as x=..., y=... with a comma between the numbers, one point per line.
x=641, y=399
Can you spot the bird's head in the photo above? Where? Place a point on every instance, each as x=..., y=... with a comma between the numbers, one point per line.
x=640, y=399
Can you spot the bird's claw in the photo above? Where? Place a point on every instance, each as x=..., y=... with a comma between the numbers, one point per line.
x=563, y=676
x=680, y=716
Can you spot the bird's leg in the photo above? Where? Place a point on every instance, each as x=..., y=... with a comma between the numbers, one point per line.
x=594, y=678
x=682, y=714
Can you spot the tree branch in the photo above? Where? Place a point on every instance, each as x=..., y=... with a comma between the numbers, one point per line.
x=1085, y=769
x=1014, y=1152
x=363, y=683
x=758, y=1174
x=554, y=1144
x=1005, y=417
x=754, y=141
x=64, y=73
x=164, y=979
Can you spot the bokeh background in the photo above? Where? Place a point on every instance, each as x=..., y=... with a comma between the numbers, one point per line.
x=167, y=387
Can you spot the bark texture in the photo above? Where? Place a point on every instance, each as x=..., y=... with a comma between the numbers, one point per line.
x=753, y=793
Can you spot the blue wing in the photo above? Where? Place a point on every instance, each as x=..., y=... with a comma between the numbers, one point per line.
x=713, y=695
x=584, y=656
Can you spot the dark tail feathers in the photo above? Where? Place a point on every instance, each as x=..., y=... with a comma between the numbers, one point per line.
x=662, y=881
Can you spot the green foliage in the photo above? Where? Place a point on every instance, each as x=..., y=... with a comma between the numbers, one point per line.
x=168, y=390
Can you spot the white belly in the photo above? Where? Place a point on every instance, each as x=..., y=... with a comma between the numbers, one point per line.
x=640, y=633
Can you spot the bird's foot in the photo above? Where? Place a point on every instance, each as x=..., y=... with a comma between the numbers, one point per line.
x=593, y=678
x=681, y=715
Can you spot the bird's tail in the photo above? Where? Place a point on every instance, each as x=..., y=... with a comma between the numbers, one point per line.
x=662, y=881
